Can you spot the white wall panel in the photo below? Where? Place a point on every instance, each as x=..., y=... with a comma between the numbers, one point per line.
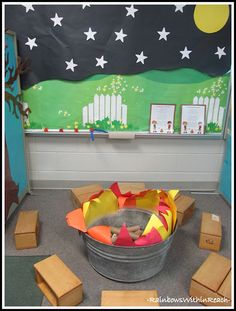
x=79, y=159
x=83, y=144
x=131, y=176
x=129, y=162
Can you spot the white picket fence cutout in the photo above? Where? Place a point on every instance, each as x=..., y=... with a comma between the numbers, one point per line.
x=214, y=113
x=105, y=107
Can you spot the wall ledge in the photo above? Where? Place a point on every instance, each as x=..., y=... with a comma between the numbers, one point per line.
x=181, y=185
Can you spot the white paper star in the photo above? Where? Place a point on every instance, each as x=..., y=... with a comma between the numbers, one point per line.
x=163, y=34
x=28, y=7
x=179, y=7
x=70, y=65
x=90, y=34
x=56, y=20
x=120, y=35
x=131, y=10
x=140, y=58
x=31, y=43
x=101, y=62
x=185, y=53
x=84, y=6
x=220, y=52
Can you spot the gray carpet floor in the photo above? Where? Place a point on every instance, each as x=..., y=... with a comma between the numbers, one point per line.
x=56, y=237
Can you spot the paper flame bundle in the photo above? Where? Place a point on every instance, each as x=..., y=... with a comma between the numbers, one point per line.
x=159, y=227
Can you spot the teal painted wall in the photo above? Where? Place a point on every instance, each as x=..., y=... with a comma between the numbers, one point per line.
x=225, y=179
x=14, y=131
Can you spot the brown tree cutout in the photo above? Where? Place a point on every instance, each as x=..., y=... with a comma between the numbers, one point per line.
x=11, y=75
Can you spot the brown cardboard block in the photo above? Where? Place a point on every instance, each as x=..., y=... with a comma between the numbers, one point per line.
x=210, y=232
x=185, y=207
x=225, y=289
x=57, y=282
x=83, y=194
x=212, y=281
x=134, y=187
x=27, y=230
x=120, y=298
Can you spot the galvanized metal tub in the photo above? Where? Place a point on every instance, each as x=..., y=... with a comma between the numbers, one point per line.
x=123, y=263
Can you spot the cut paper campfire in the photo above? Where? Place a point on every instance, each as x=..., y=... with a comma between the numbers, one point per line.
x=161, y=224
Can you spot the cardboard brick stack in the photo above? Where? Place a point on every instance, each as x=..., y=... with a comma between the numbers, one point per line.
x=211, y=283
x=26, y=232
x=57, y=282
x=185, y=208
x=132, y=298
x=83, y=194
x=210, y=232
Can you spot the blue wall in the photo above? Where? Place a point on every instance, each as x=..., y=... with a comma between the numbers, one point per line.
x=225, y=178
x=14, y=131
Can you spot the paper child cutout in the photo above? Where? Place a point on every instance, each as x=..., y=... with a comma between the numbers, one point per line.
x=169, y=125
x=185, y=123
x=154, y=124
x=199, y=128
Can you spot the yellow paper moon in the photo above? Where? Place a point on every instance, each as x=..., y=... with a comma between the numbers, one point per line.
x=210, y=18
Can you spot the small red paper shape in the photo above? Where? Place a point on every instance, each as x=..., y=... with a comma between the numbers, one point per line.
x=163, y=220
x=127, y=201
x=124, y=239
x=61, y=130
x=162, y=202
x=46, y=129
x=76, y=130
x=163, y=208
x=152, y=237
x=96, y=195
x=116, y=189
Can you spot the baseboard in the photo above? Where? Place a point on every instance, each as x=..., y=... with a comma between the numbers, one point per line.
x=181, y=185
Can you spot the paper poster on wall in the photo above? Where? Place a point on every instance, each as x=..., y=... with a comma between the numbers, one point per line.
x=193, y=119
x=162, y=118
